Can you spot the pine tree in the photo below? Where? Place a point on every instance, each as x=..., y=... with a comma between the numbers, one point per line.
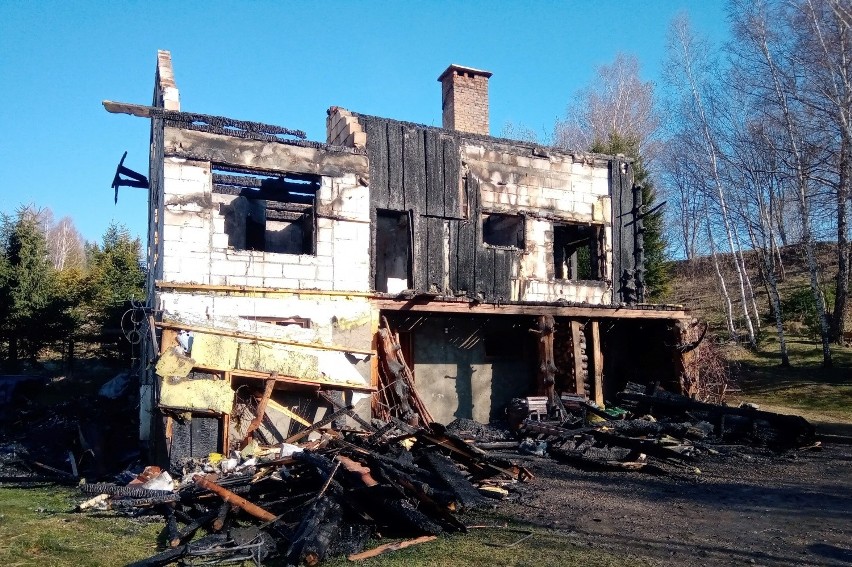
x=30, y=304
x=115, y=278
x=657, y=273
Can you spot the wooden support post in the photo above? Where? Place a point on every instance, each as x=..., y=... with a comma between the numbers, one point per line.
x=226, y=422
x=546, y=366
x=597, y=364
x=374, y=363
x=579, y=366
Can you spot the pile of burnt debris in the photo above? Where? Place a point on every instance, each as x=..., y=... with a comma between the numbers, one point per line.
x=317, y=499
x=309, y=500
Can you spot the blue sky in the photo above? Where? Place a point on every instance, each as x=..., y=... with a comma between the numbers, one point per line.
x=283, y=63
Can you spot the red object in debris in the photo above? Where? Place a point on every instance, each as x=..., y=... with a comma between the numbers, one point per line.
x=147, y=474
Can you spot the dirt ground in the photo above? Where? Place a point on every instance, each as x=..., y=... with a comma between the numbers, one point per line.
x=747, y=506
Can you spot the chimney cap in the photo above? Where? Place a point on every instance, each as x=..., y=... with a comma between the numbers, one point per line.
x=462, y=69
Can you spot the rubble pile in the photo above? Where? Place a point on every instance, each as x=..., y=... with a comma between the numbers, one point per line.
x=319, y=499
x=652, y=427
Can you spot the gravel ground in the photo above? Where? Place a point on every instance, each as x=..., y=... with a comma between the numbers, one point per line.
x=747, y=506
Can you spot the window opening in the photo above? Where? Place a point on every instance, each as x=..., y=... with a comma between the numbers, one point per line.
x=503, y=230
x=576, y=252
x=393, y=251
x=270, y=212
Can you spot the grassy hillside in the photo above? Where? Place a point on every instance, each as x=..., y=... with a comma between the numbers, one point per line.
x=823, y=395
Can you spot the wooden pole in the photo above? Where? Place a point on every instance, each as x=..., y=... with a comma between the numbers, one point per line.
x=597, y=364
x=238, y=501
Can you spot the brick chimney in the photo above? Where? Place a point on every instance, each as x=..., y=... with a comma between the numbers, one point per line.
x=464, y=99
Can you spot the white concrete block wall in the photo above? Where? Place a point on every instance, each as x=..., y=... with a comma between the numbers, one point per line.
x=196, y=249
x=324, y=313
x=558, y=188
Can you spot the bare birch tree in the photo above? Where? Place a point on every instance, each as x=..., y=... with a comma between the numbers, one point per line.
x=65, y=245
x=617, y=102
x=761, y=52
x=686, y=54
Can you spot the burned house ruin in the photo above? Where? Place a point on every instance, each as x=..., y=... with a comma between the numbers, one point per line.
x=504, y=269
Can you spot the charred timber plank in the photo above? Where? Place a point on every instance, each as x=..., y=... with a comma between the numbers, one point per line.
x=142, y=111
x=434, y=193
x=406, y=484
x=377, y=149
x=502, y=274
x=396, y=165
x=435, y=183
x=600, y=312
x=465, y=254
x=419, y=250
x=448, y=472
x=292, y=380
x=315, y=532
x=265, y=156
x=484, y=269
x=435, y=254
x=452, y=178
x=189, y=530
x=414, y=169
x=453, y=244
x=480, y=464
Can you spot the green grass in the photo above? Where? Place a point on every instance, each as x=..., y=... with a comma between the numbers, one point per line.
x=545, y=547
x=806, y=388
x=38, y=528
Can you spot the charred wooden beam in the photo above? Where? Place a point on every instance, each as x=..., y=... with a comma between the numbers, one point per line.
x=322, y=423
x=264, y=194
x=275, y=155
x=190, y=118
x=260, y=412
x=350, y=412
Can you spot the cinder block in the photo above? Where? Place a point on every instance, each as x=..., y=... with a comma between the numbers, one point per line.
x=171, y=233
x=273, y=270
x=219, y=240
x=228, y=268
x=200, y=174
x=186, y=188
x=300, y=272
x=284, y=283
x=195, y=235
x=235, y=280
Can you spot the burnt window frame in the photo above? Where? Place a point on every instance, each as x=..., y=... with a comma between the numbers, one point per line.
x=522, y=233
x=289, y=197
x=594, y=245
